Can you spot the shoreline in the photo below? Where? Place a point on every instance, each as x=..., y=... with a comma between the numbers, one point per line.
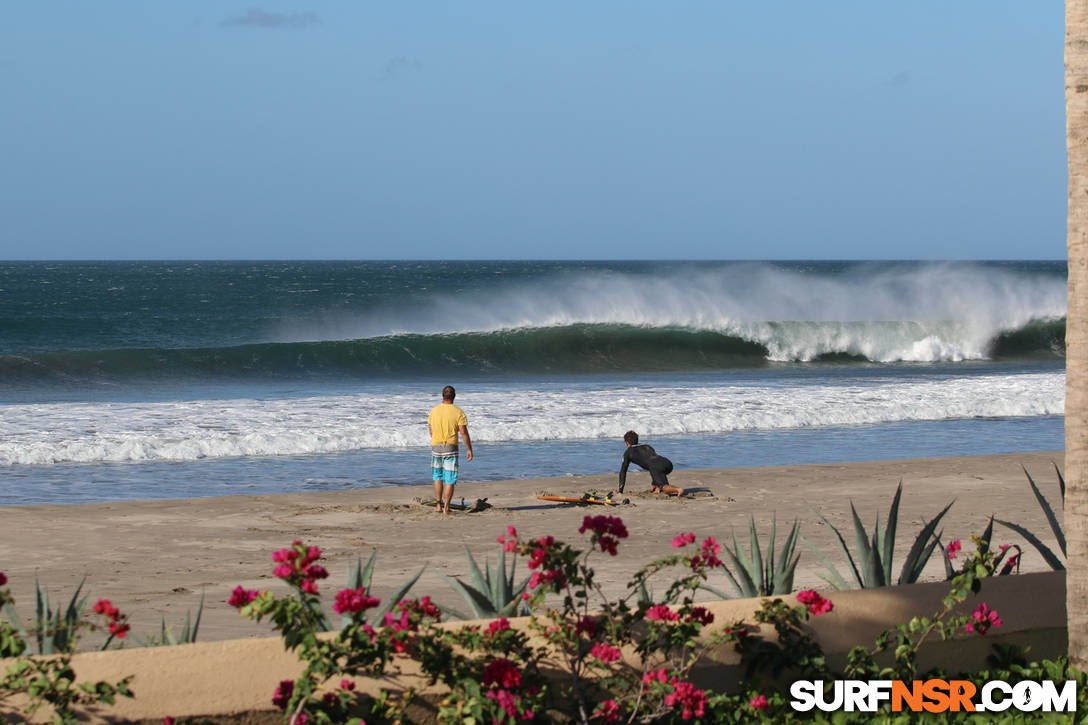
x=153, y=559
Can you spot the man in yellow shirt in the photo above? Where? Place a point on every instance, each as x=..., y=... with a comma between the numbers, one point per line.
x=446, y=421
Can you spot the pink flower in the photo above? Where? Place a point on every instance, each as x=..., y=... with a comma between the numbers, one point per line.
x=605, y=652
x=816, y=604
x=501, y=673
x=241, y=597
x=759, y=702
x=3, y=579
x=168, y=720
x=985, y=618
x=954, y=548
x=119, y=629
x=661, y=613
x=654, y=676
x=711, y=549
x=510, y=541
x=683, y=540
x=508, y=701
x=691, y=700
x=296, y=566
x=353, y=601
x=609, y=711
x=347, y=685
x=283, y=693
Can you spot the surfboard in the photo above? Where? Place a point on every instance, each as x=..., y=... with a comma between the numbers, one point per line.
x=478, y=505
x=586, y=499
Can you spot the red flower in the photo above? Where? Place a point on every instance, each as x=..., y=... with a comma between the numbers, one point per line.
x=702, y=615
x=3, y=579
x=605, y=652
x=283, y=693
x=609, y=711
x=606, y=530
x=104, y=607
x=759, y=702
x=661, y=613
x=347, y=685
x=954, y=548
x=692, y=700
x=353, y=601
x=119, y=629
x=296, y=566
x=241, y=597
x=501, y=624
x=586, y=626
x=501, y=673
x=816, y=604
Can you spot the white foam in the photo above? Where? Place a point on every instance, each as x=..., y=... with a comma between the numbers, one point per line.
x=195, y=429
x=937, y=312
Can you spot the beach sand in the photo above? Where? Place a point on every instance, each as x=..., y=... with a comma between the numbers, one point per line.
x=153, y=559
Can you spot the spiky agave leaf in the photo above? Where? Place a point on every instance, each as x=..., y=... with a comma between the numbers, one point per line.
x=921, y=550
x=781, y=579
x=836, y=580
x=1055, y=525
x=1049, y=556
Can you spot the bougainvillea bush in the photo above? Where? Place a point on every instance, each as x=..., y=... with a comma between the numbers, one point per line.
x=630, y=659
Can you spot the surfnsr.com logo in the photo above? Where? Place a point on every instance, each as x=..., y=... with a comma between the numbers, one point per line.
x=933, y=696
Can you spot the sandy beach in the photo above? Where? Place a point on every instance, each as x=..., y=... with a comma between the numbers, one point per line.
x=153, y=559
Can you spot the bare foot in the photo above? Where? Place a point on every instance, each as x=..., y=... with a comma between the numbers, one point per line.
x=446, y=511
x=680, y=492
x=438, y=507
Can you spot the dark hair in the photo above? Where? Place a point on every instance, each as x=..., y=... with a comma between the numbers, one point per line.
x=630, y=437
x=448, y=393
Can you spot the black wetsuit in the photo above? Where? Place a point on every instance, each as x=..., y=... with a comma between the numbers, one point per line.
x=644, y=456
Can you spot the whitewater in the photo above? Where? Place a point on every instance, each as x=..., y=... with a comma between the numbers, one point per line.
x=123, y=380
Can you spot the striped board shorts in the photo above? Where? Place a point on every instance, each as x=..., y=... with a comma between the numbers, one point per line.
x=444, y=463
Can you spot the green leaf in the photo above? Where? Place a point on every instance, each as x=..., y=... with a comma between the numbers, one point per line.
x=1048, y=555
x=834, y=578
x=921, y=550
x=1055, y=525
x=893, y=523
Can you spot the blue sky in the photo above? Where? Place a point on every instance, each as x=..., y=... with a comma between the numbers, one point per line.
x=600, y=130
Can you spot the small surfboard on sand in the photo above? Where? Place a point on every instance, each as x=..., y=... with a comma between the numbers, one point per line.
x=478, y=505
x=585, y=499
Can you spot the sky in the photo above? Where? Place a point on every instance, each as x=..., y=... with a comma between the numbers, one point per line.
x=721, y=129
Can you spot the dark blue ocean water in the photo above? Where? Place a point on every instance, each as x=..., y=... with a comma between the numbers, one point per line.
x=128, y=380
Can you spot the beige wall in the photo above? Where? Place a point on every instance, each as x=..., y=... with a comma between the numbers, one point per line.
x=219, y=679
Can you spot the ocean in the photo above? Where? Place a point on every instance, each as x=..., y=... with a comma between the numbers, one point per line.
x=151, y=380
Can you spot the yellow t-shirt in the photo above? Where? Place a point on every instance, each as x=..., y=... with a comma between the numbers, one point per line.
x=444, y=419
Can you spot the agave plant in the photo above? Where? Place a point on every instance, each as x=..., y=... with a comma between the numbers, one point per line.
x=188, y=632
x=492, y=593
x=875, y=553
x=759, y=574
x=360, y=576
x=1055, y=526
x=55, y=631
